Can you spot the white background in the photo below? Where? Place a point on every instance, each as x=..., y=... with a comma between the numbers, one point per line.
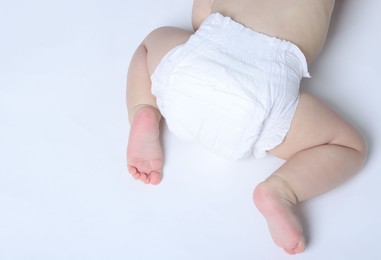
x=64, y=189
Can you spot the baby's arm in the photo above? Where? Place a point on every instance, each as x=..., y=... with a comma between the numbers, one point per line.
x=201, y=10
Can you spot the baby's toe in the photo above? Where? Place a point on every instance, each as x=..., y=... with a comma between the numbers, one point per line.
x=155, y=177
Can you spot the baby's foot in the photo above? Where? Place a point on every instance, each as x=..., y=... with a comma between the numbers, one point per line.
x=279, y=212
x=144, y=154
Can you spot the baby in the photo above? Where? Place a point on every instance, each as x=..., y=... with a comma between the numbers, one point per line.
x=233, y=87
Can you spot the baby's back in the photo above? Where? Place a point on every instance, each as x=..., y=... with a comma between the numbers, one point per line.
x=304, y=22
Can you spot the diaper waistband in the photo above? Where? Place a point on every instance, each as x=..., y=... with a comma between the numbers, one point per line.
x=235, y=39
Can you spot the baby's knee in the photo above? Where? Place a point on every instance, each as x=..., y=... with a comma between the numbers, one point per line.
x=353, y=139
x=361, y=147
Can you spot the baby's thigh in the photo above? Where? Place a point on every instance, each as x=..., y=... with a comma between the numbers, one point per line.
x=161, y=41
x=316, y=124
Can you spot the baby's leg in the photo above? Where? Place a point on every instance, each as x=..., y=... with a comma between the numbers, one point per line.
x=144, y=153
x=322, y=150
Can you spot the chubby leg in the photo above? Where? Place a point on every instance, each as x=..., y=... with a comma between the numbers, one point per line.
x=322, y=151
x=144, y=153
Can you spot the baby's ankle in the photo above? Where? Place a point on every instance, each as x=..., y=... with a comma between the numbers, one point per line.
x=275, y=184
x=145, y=108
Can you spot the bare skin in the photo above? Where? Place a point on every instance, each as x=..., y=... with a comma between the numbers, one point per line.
x=321, y=149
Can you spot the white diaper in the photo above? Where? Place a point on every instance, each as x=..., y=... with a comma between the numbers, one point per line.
x=230, y=89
